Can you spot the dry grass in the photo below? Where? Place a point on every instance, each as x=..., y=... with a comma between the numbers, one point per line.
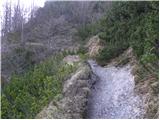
x=147, y=85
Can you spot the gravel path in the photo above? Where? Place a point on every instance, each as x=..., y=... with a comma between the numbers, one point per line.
x=113, y=94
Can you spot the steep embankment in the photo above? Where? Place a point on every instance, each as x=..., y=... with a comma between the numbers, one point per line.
x=73, y=104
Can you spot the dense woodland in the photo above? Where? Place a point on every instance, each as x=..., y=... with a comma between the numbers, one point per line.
x=32, y=77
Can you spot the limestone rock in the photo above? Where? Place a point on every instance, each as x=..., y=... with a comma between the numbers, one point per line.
x=94, y=46
x=70, y=59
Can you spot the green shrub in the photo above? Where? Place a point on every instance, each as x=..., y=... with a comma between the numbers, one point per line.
x=111, y=51
x=89, y=30
x=132, y=23
x=27, y=94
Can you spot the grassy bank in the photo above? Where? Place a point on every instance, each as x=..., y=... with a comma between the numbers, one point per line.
x=27, y=94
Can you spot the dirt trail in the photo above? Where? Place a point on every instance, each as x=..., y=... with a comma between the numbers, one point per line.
x=113, y=95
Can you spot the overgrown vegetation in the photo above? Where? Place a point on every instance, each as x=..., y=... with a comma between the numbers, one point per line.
x=27, y=94
x=127, y=24
x=133, y=24
x=88, y=30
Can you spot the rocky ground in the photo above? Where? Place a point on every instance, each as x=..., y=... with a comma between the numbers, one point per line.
x=73, y=103
x=113, y=96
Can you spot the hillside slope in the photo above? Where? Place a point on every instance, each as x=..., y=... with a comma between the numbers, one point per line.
x=38, y=81
x=52, y=29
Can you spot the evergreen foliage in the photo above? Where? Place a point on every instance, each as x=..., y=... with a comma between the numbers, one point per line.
x=27, y=94
x=128, y=24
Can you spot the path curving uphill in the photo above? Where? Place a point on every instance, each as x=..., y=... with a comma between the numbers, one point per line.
x=112, y=96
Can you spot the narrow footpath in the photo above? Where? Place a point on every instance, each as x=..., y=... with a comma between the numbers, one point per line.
x=112, y=96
